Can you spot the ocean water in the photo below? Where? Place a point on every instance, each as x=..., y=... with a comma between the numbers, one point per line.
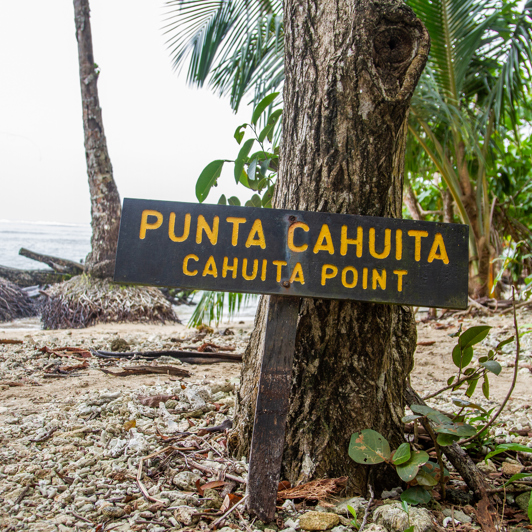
x=67, y=241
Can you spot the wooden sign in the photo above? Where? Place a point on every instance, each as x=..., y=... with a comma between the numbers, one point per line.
x=293, y=253
x=289, y=253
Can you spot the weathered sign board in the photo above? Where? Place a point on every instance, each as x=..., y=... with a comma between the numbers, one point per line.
x=293, y=253
x=289, y=253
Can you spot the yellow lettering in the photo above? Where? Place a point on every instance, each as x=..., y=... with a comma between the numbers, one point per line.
x=438, y=245
x=346, y=241
x=257, y=231
x=378, y=278
x=245, y=268
x=226, y=268
x=400, y=274
x=186, y=271
x=398, y=244
x=325, y=275
x=297, y=274
x=212, y=234
x=144, y=225
x=418, y=235
x=210, y=268
x=387, y=244
x=364, y=278
x=279, y=264
x=354, y=282
x=291, y=230
x=236, y=222
x=171, y=228
x=324, y=236
x=263, y=271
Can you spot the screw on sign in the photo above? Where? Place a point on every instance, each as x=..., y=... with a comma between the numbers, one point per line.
x=289, y=253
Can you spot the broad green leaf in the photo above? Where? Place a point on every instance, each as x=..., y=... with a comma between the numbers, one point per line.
x=208, y=178
x=503, y=447
x=222, y=200
x=492, y=365
x=446, y=439
x=464, y=403
x=408, y=419
x=450, y=380
x=474, y=335
x=457, y=356
x=409, y=470
x=402, y=454
x=433, y=469
x=505, y=342
x=431, y=413
x=517, y=476
x=252, y=170
x=262, y=106
x=471, y=388
x=416, y=495
x=469, y=371
x=462, y=356
x=239, y=133
x=254, y=201
x=486, y=387
x=457, y=428
x=267, y=197
x=268, y=129
x=424, y=478
x=242, y=159
x=369, y=447
x=233, y=200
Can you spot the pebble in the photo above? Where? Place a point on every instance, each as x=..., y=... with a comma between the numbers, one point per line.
x=318, y=520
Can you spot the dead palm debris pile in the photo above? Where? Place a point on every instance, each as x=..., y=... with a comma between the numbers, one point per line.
x=14, y=302
x=84, y=301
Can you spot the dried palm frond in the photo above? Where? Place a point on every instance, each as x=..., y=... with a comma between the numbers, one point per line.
x=14, y=302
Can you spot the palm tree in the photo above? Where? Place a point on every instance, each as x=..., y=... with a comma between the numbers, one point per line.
x=467, y=101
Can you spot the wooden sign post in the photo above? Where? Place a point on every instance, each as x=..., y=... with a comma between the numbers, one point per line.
x=289, y=253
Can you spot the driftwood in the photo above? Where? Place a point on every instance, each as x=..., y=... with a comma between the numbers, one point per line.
x=184, y=356
x=14, y=303
x=25, y=278
x=58, y=265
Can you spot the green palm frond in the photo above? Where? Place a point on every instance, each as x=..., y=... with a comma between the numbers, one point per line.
x=233, y=45
x=212, y=305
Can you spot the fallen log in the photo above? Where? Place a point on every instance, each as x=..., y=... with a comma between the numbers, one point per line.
x=24, y=278
x=58, y=265
x=184, y=356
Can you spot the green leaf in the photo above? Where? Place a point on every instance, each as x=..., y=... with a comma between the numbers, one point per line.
x=486, y=387
x=208, y=178
x=261, y=107
x=431, y=413
x=450, y=380
x=233, y=200
x=252, y=170
x=492, y=365
x=505, y=342
x=464, y=403
x=409, y=470
x=517, y=476
x=242, y=159
x=267, y=197
x=416, y=495
x=504, y=447
x=369, y=447
x=239, y=133
x=272, y=120
x=474, y=335
x=530, y=508
x=408, y=419
x=254, y=201
x=462, y=356
x=424, y=478
x=471, y=388
x=222, y=200
x=402, y=454
x=446, y=439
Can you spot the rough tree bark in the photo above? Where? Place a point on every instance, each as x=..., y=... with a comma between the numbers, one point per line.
x=105, y=201
x=351, y=67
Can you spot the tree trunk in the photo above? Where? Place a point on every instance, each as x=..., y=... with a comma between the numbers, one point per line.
x=351, y=68
x=105, y=201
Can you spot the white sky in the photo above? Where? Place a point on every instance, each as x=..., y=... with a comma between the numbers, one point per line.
x=160, y=133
